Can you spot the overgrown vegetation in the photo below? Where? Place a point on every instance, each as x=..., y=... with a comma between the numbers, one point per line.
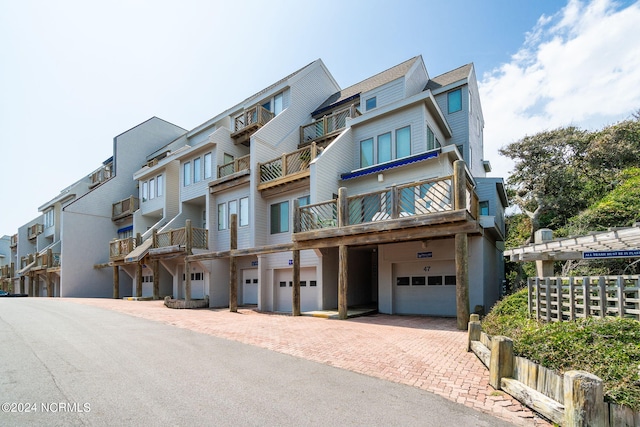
x=608, y=348
x=574, y=182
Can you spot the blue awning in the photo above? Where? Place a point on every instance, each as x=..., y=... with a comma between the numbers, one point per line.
x=390, y=165
x=125, y=229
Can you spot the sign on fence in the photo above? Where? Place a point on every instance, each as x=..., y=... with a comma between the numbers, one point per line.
x=611, y=254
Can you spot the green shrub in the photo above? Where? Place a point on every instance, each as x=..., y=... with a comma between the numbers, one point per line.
x=608, y=348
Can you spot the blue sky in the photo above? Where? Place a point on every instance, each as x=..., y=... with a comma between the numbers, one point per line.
x=74, y=74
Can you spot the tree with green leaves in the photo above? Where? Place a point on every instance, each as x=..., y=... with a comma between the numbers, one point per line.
x=545, y=180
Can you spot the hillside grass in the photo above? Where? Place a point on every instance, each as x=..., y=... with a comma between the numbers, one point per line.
x=608, y=348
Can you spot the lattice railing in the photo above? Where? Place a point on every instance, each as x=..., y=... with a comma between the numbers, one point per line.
x=170, y=238
x=287, y=164
x=121, y=247
x=239, y=164
x=200, y=237
x=326, y=125
x=101, y=175
x=124, y=207
x=319, y=215
x=255, y=115
x=34, y=230
x=369, y=207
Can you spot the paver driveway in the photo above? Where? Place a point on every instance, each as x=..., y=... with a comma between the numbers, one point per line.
x=424, y=352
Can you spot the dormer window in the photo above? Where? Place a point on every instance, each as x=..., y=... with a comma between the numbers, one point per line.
x=371, y=103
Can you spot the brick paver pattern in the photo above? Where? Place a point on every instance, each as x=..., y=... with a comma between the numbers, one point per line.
x=424, y=352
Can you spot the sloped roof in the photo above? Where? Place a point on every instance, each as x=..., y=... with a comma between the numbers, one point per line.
x=368, y=84
x=449, y=77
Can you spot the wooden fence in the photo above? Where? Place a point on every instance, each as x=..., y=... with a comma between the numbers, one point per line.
x=575, y=398
x=567, y=298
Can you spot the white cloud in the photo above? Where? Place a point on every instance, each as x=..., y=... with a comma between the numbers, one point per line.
x=578, y=67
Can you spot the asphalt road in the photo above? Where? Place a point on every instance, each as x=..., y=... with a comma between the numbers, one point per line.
x=66, y=364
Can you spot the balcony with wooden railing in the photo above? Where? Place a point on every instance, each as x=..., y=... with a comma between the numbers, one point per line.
x=34, y=230
x=101, y=175
x=6, y=271
x=328, y=127
x=419, y=210
x=288, y=168
x=248, y=122
x=119, y=248
x=239, y=164
x=46, y=261
x=14, y=241
x=124, y=208
x=185, y=237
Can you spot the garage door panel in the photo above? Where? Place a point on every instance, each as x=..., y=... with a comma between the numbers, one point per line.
x=424, y=287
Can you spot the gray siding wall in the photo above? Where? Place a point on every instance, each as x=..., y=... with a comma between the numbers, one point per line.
x=326, y=169
x=413, y=117
x=458, y=121
x=416, y=79
x=487, y=191
x=385, y=94
x=87, y=226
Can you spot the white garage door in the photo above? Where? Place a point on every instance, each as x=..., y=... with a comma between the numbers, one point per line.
x=308, y=289
x=424, y=287
x=250, y=286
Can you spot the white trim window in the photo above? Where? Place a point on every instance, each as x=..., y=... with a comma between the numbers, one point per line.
x=243, y=221
x=186, y=174
x=222, y=216
x=49, y=218
x=389, y=146
x=280, y=217
x=197, y=169
x=152, y=189
x=207, y=166
x=160, y=184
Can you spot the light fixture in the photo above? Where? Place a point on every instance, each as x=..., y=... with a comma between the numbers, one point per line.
x=380, y=177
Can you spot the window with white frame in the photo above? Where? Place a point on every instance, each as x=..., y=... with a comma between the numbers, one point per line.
x=152, y=189
x=233, y=209
x=278, y=103
x=207, y=166
x=145, y=191
x=222, y=216
x=388, y=146
x=280, y=217
x=186, y=174
x=244, y=212
x=160, y=184
x=432, y=142
x=454, y=99
x=371, y=103
x=197, y=172
x=48, y=218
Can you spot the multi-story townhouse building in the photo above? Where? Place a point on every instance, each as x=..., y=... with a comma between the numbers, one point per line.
x=389, y=146
x=77, y=224
x=304, y=196
x=189, y=188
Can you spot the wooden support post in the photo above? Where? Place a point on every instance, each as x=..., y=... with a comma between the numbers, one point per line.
x=475, y=329
x=156, y=278
x=343, y=252
x=47, y=283
x=343, y=207
x=395, y=202
x=459, y=185
x=462, y=280
x=116, y=282
x=295, y=292
x=530, y=296
x=188, y=231
x=233, y=266
x=583, y=400
x=187, y=280
x=501, y=364
x=139, y=279
x=543, y=268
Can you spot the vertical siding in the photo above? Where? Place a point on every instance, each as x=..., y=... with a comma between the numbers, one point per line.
x=458, y=121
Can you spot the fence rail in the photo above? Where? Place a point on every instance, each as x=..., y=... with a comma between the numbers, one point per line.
x=124, y=207
x=121, y=247
x=257, y=115
x=327, y=125
x=419, y=198
x=239, y=164
x=101, y=175
x=567, y=298
x=288, y=164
